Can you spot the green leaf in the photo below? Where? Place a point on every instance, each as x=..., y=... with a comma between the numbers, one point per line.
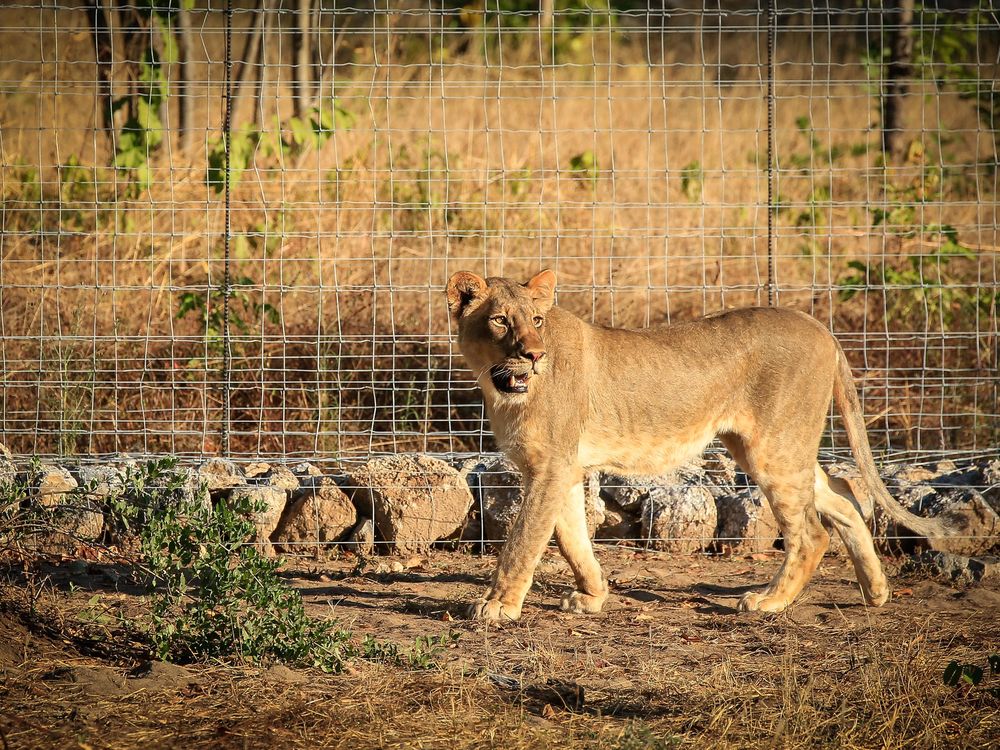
x=972, y=674
x=691, y=181
x=952, y=673
x=584, y=166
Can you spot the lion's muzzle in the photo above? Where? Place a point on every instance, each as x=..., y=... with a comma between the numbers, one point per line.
x=513, y=376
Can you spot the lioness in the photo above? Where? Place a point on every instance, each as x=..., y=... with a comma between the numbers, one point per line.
x=564, y=396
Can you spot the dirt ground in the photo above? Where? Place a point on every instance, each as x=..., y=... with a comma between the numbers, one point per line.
x=669, y=663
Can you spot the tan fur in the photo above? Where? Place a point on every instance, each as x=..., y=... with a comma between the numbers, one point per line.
x=647, y=401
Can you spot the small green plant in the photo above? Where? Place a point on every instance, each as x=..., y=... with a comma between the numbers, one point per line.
x=638, y=736
x=925, y=284
x=518, y=182
x=945, y=51
x=971, y=675
x=241, y=152
x=246, y=312
x=96, y=613
x=291, y=138
x=813, y=218
x=515, y=24
x=584, y=167
x=315, y=128
x=692, y=180
x=142, y=132
x=79, y=190
x=425, y=653
x=212, y=592
x=818, y=152
x=413, y=403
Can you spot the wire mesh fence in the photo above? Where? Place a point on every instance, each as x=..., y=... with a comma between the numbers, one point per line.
x=377, y=148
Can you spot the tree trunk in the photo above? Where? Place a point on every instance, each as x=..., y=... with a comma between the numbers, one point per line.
x=302, y=95
x=546, y=11
x=133, y=46
x=249, y=60
x=258, y=108
x=104, y=48
x=185, y=136
x=900, y=57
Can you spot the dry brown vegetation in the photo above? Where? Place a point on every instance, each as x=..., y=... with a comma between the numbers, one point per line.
x=341, y=342
x=670, y=664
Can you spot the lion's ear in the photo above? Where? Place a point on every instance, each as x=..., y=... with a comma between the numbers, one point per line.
x=543, y=288
x=465, y=292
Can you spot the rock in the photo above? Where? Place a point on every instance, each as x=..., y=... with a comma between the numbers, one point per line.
x=617, y=523
x=76, y=520
x=71, y=517
x=362, y=538
x=281, y=673
x=913, y=496
x=983, y=476
x=956, y=567
x=416, y=499
x=101, y=481
x=192, y=489
x=630, y=493
x=679, y=519
x=745, y=522
x=722, y=476
x=8, y=473
x=593, y=504
x=501, y=495
x=274, y=476
x=186, y=489
x=991, y=484
x=50, y=484
x=273, y=500
x=901, y=475
x=306, y=469
x=159, y=676
x=220, y=474
x=976, y=524
x=320, y=514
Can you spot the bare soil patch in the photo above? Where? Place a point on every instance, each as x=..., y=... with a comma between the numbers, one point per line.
x=669, y=663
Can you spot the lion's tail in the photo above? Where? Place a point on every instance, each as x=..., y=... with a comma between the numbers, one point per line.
x=845, y=395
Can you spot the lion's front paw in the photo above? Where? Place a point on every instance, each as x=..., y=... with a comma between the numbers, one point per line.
x=754, y=602
x=493, y=610
x=581, y=603
x=878, y=595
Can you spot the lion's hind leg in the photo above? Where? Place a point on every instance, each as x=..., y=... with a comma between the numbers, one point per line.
x=840, y=513
x=805, y=540
x=574, y=544
x=790, y=494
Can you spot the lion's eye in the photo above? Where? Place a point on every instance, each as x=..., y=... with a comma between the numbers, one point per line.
x=499, y=320
x=538, y=320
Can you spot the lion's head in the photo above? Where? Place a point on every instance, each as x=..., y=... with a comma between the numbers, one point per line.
x=501, y=326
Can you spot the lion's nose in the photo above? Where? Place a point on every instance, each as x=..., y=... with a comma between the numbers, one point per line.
x=534, y=354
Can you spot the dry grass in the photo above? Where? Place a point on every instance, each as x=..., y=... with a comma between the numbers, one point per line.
x=470, y=166
x=654, y=674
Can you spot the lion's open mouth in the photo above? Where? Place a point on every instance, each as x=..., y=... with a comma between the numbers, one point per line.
x=507, y=382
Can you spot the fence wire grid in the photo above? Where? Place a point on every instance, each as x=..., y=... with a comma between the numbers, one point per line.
x=378, y=148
